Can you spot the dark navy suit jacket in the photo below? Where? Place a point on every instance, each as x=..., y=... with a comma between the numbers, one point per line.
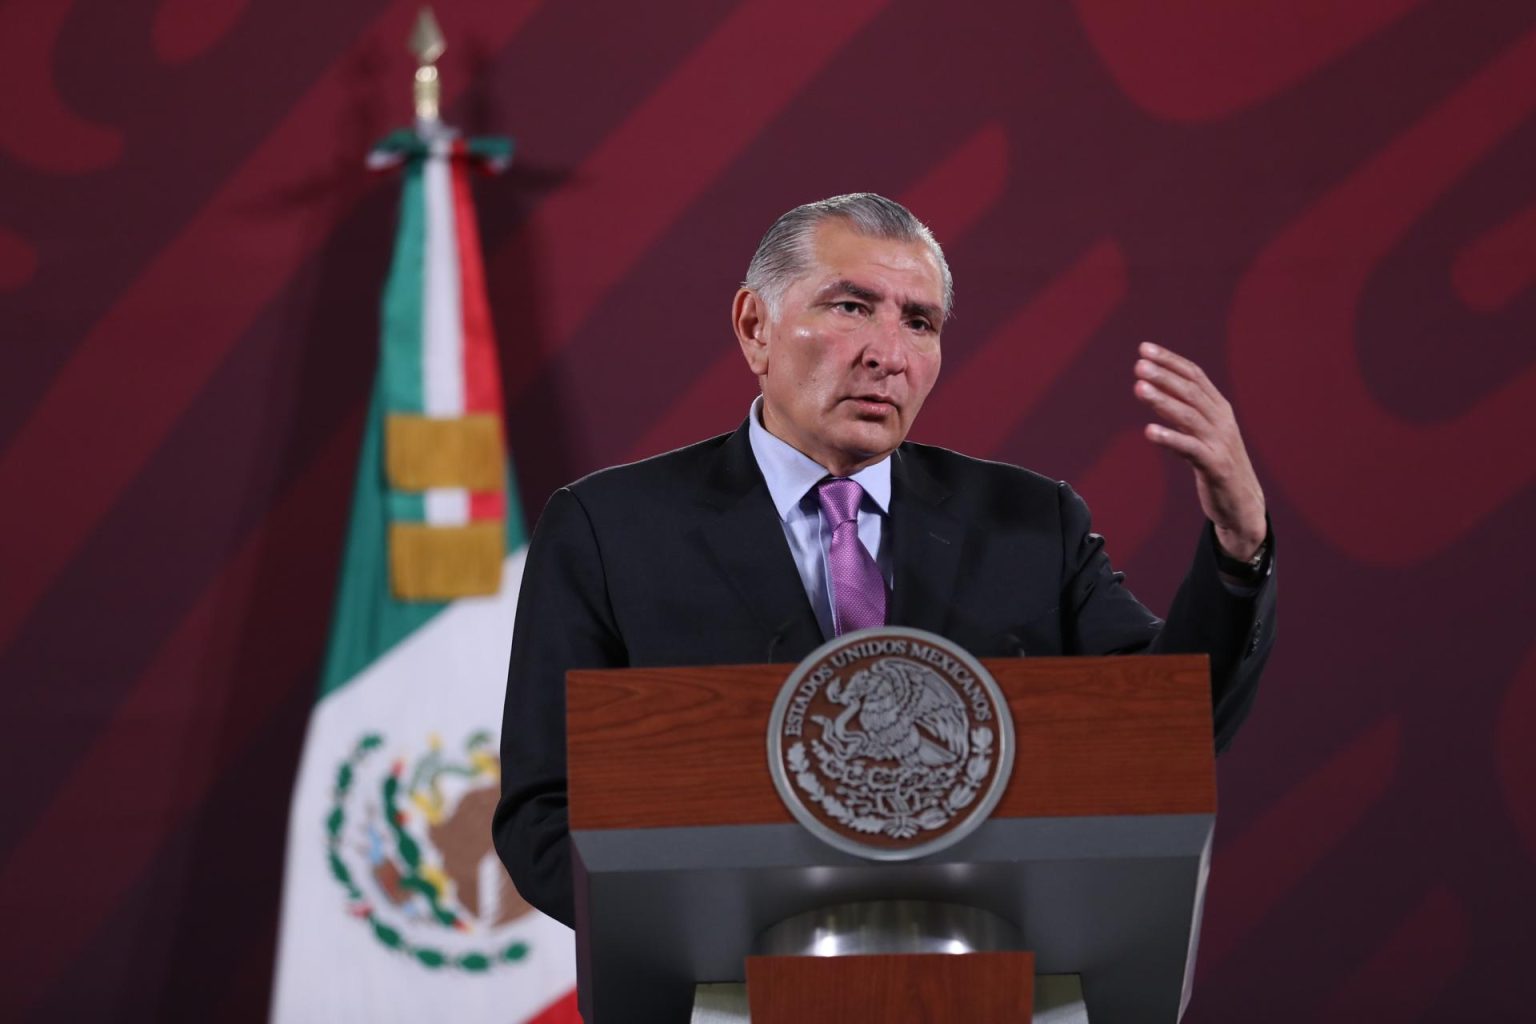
x=681, y=560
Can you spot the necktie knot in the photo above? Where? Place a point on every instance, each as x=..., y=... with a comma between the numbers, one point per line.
x=839, y=499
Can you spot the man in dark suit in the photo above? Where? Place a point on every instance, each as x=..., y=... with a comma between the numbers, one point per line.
x=722, y=552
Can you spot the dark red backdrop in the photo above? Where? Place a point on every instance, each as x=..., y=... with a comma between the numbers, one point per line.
x=1330, y=204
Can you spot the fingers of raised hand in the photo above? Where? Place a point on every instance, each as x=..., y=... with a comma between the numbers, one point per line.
x=1173, y=405
x=1185, y=445
x=1175, y=375
x=1162, y=364
x=1199, y=425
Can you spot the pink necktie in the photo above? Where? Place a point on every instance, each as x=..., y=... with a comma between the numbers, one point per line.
x=858, y=589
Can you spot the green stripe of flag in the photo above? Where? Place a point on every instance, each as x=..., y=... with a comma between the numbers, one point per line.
x=402, y=327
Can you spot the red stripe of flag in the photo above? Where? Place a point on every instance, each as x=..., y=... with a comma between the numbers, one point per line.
x=561, y=1011
x=482, y=378
x=487, y=505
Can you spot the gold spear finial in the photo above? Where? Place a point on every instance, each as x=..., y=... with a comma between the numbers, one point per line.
x=427, y=44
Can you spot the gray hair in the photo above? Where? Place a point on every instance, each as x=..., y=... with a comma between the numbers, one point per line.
x=784, y=254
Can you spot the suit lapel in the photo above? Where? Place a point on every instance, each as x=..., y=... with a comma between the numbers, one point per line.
x=925, y=547
x=746, y=541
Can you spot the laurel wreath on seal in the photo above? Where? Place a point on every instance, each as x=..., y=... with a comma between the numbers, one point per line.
x=898, y=826
x=335, y=824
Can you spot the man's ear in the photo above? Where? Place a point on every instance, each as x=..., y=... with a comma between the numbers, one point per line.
x=749, y=316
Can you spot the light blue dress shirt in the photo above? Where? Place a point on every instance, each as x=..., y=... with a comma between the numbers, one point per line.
x=792, y=477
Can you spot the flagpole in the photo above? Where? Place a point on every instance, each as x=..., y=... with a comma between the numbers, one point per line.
x=427, y=45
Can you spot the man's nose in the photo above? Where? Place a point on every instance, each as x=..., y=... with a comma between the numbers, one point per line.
x=887, y=348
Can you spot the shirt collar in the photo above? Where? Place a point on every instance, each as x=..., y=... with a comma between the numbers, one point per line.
x=791, y=473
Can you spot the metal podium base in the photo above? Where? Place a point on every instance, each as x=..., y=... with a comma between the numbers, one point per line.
x=889, y=926
x=892, y=927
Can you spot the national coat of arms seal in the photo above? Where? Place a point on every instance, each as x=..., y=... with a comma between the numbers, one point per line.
x=890, y=743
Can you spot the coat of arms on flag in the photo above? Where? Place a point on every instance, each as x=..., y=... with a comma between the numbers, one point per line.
x=405, y=840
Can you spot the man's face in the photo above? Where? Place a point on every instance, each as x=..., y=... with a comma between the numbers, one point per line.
x=853, y=350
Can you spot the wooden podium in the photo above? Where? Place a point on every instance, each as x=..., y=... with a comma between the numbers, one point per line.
x=684, y=854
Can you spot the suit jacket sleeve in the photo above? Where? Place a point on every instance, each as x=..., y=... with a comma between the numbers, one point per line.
x=1236, y=629
x=564, y=621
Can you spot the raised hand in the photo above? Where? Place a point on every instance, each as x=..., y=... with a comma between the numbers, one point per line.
x=1198, y=426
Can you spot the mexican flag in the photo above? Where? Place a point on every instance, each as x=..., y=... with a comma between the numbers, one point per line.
x=395, y=906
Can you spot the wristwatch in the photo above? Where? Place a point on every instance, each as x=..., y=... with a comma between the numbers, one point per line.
x=1244, y=570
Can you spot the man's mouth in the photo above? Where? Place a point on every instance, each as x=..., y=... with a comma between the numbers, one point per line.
x=873, y=404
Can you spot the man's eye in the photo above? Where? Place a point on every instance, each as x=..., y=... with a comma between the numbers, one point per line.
x=919, y=324
x=849, y=306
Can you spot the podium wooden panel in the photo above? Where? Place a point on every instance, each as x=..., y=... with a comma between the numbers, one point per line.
x=926, y=988
x=684, y=853
x=667, y=747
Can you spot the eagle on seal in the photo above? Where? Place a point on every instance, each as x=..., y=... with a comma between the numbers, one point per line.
x=906, y=713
